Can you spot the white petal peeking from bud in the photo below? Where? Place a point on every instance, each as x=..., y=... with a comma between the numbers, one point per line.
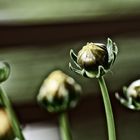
x=131, y=95
x=133, y=88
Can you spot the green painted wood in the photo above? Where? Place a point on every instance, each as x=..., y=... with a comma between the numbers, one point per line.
x=31, y=64
x=64, y=10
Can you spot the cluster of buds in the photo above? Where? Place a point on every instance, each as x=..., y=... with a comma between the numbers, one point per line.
x=59, y=92
x=94, y=59
x=131, y=96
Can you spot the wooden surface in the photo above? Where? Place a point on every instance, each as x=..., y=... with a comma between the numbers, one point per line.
x=36, y=11
x=31, y=64
x=87, y=121
x=56, y=33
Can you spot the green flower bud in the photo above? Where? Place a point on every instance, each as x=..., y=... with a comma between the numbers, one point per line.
x=6, y=132
x=94, y=59
x=4, y=71
x=59, y=92
x=131, y=95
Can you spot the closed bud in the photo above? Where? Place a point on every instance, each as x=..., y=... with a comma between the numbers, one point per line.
x=4, y=71
x=92, y=55
x=94, y=59
x=131, y=97
x=59, y=92
x=133, y=91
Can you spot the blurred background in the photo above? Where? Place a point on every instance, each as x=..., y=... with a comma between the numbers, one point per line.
x=36, y=37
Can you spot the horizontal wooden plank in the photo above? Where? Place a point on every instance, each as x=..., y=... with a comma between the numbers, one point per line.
x=43, y=34
x=30, y=11
x=31, y=64
x=89, y=115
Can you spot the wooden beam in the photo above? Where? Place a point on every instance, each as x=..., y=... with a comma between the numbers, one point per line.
x=40, y=34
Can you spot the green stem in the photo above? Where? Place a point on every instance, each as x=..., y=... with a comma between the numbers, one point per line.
x=108, y=109
x=64, y=126
x=14, y=122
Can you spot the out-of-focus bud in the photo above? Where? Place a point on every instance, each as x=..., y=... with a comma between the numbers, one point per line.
x=134, y=90
x=131, y=95
x=59, y=92
x=94, y=59
x=4, y=71
x=6, y=132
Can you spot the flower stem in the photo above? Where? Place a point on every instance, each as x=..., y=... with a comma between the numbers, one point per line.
x=108, y=109
x=12, y=117
x=64, y=126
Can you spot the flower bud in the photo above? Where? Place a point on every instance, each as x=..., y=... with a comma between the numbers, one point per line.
x=92, y=55
x=5, y=126
x=94, y=59
x=59, y=92
x=132, y=96
x=133, y=91
x=4, y=71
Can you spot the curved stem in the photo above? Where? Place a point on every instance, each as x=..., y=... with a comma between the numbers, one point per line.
x=108, y=110
x=64, y=126
x=12, y=117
